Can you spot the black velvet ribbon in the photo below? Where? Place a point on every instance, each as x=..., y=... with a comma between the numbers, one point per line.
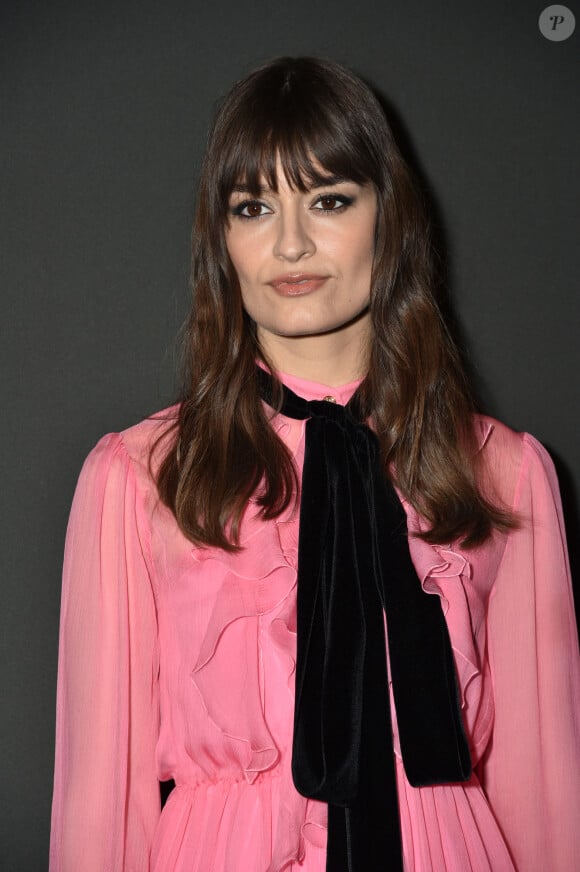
x=354, y=567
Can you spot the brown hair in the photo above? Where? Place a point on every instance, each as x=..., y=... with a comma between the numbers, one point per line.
x=311, y=113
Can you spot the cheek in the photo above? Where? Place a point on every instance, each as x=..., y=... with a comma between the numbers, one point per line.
x=252, y=297
x=246, y=262
x=358, y=254
x=355, y=243
x=237, y=251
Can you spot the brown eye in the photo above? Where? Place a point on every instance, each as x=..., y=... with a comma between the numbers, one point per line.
x=329, y=202
x=332, y=202
x=250, y=209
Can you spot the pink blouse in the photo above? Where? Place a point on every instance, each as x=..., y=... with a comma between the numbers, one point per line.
x=177, y=662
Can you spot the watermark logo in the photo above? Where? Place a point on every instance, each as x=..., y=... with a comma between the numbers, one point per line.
x=557, y=23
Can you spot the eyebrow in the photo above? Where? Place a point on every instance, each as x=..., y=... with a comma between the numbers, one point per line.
x=320, y=182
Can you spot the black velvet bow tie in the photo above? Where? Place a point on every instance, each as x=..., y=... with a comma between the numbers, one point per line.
x=354, y=567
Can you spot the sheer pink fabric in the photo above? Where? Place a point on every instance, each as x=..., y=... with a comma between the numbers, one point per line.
x=177, y=662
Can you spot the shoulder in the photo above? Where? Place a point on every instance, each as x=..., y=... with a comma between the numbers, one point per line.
x=494, y=437
x=128, y=452
x=511, y=461
x=153, y=434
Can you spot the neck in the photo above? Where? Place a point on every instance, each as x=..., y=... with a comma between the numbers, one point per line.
x=332, y=359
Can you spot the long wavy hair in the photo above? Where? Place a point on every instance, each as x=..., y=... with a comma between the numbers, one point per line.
x=309, y=113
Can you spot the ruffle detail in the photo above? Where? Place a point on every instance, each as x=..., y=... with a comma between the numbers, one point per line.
x=250, y=589
x=256, y=597
x=447, y=579
x=447, y=573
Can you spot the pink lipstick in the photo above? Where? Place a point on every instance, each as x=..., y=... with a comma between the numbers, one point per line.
x=297, y=284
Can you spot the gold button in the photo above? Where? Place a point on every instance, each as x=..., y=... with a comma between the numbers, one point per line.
x=330, y=399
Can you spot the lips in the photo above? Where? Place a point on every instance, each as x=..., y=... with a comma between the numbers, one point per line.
x=297, y=284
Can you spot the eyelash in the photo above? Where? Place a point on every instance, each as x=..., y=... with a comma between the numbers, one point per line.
x=342, y=199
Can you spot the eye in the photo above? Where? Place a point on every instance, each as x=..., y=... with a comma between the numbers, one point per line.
x=332, y=202
x=250, y=209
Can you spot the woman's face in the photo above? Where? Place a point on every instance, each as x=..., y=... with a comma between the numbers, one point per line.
x=304, y=260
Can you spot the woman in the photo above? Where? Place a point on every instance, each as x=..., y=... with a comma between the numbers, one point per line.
x=236, y=565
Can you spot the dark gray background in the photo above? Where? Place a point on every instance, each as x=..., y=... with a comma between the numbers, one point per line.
x=104, y=112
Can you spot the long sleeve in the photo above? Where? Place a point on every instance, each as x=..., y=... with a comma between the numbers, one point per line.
x=531, y=772
x=106, y=793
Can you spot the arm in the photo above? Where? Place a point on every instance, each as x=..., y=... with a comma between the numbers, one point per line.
x=106, y=793
x=531, y=772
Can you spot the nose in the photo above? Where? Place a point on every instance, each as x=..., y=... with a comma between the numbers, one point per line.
x=293, y=241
